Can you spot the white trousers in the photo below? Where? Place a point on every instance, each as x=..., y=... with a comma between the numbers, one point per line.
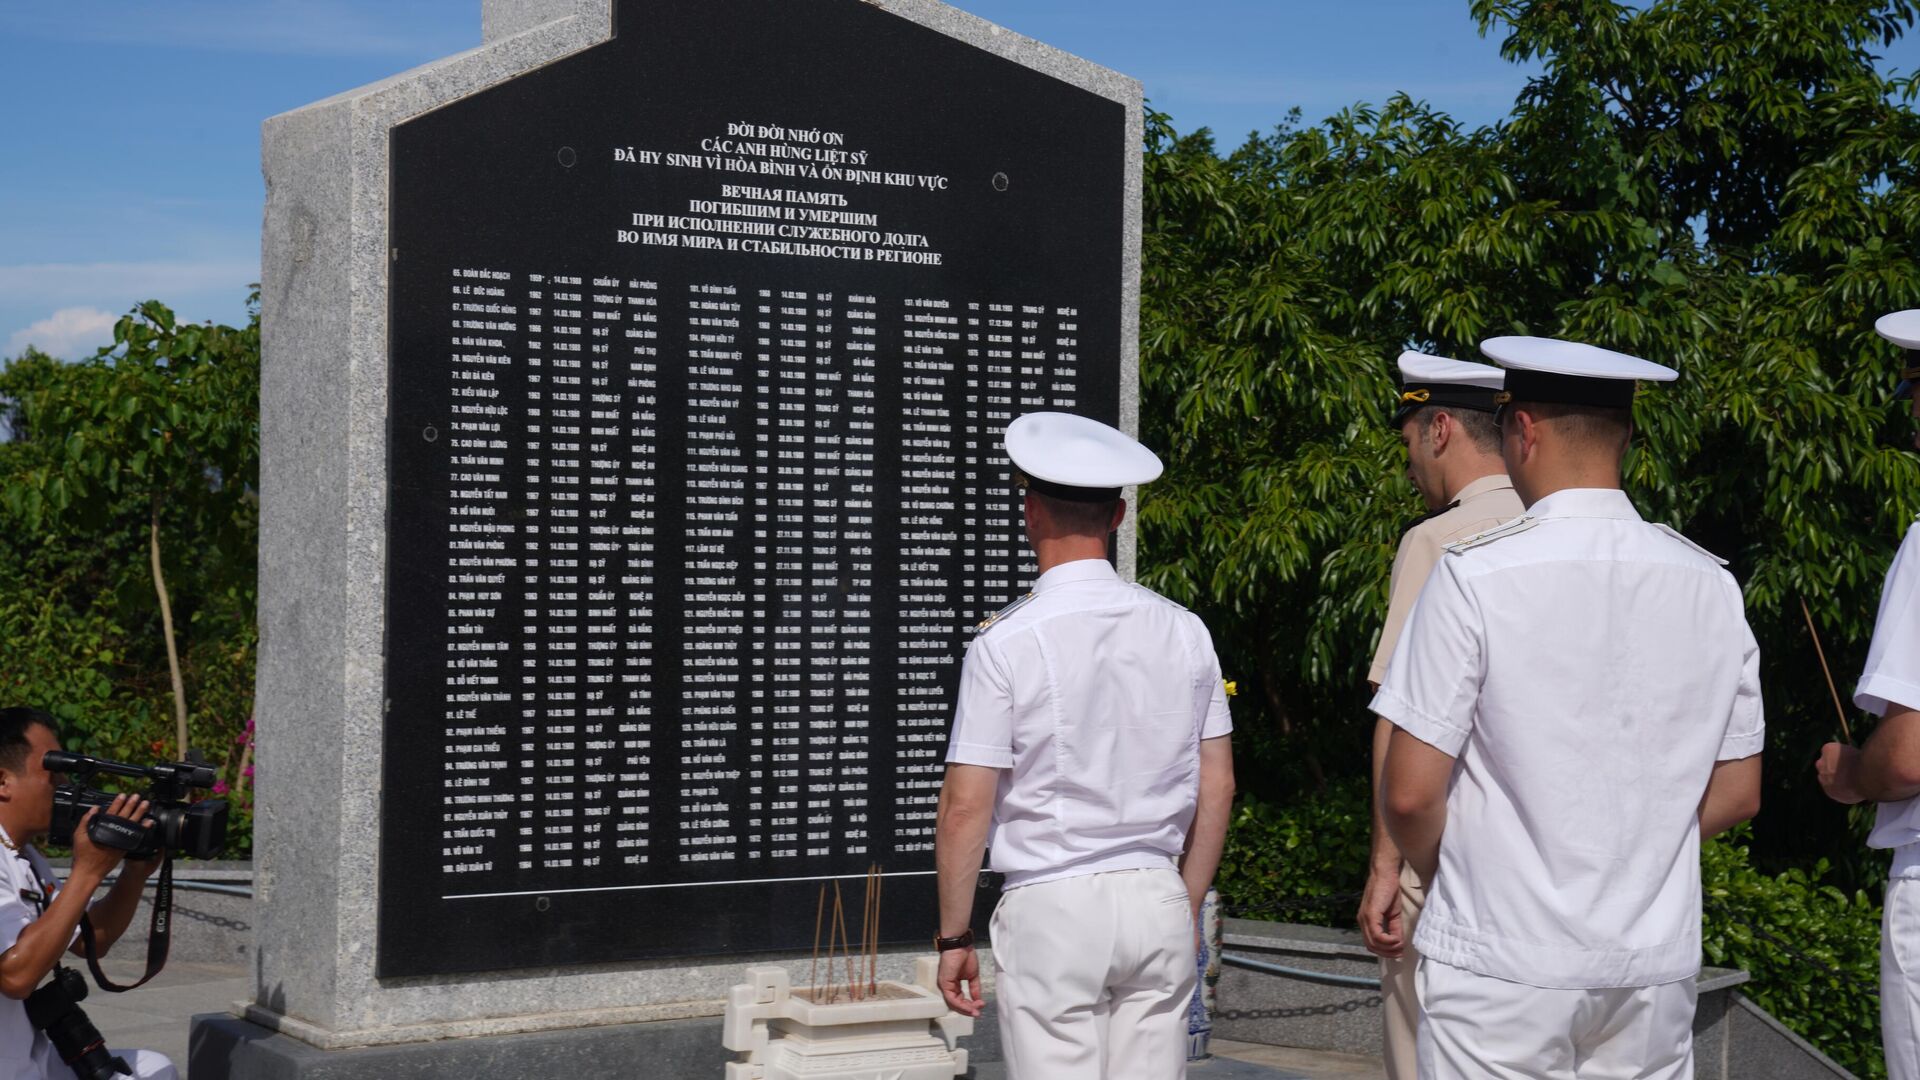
x=1475, y=1027
x=1093, y=975
x=1900, y=979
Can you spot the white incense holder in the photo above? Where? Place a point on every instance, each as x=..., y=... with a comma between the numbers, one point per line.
x=903, y=1032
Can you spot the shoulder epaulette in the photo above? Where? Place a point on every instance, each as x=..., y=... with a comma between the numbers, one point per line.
x=1678, y=535
x=987, y=623
x=1167, y=600
x=1517, y=525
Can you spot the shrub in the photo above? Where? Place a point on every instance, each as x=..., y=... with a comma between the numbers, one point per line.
x=1752, y=920
x=1284, y=862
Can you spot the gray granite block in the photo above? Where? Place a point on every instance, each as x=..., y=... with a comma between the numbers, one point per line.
x=505, y=18
x=1759, y=1047
x=323, y=552
x=223, y=1046
x=1710, y=1037
x=226, y=1048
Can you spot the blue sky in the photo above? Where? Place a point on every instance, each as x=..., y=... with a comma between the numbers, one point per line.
x=131, y=133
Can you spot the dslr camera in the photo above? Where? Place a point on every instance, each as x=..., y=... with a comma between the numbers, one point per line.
x=197, y=830
x=55, y=1009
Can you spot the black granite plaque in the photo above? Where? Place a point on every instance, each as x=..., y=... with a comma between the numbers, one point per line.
x=702, y=342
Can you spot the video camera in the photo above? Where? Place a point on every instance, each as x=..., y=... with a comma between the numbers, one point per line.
x=196, y=830
x=180, y=827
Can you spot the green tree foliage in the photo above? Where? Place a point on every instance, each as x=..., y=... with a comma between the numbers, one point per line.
x=1721, y=185
x=1727, y=186
x=130, y=469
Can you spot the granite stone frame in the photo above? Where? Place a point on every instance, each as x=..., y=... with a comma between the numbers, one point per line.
x=323, y=559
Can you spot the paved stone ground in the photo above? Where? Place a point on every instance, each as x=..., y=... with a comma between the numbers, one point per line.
x=1252, y=1061
x=155, y=1017
x=1315, y=1064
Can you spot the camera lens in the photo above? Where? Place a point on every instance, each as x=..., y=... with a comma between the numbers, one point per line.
x=55, y=1009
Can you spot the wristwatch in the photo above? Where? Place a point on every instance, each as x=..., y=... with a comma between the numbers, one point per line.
x=962, y=940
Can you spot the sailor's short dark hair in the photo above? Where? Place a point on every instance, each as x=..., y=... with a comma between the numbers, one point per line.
x=15, y=723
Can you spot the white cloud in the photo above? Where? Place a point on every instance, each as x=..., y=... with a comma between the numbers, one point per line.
x=47, y=285
x=69, y=333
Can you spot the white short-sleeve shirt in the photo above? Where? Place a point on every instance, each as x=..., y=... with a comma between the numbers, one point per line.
x=1892, y=680
x=25, y=1054
x=1093, y=696
x=1587, y=669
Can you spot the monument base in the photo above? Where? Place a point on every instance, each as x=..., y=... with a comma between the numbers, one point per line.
x=225, y=1047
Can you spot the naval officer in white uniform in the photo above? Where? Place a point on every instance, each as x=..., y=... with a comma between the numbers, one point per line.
x=1887, y=769
x=1445, y=419
x=1577, y=702
x=1089, y=751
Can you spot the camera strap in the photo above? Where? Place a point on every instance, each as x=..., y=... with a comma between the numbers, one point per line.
x=159, y=933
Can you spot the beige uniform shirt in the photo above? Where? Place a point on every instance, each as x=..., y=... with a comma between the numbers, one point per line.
x=1481, y=505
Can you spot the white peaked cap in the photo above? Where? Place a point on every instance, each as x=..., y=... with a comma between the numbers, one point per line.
x=1552, y=356
x=1552, y=371
x=1061, y=450
x=1901, y=327
x=1420, y=369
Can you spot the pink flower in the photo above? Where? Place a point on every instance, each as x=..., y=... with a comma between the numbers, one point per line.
x=247, y=772
x=219, y=787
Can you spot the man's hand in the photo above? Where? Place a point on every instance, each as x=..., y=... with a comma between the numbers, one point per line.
x=91, y=860
x=960, y=976
x=41, y=941
x=113, y=912
x=1839, y=772
x=1381, y=925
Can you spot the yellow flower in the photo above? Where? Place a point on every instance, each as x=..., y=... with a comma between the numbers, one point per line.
x=1233, y=688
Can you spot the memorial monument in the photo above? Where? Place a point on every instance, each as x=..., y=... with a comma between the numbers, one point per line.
x=631, y=484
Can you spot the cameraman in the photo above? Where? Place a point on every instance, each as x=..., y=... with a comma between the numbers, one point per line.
x=39, y=919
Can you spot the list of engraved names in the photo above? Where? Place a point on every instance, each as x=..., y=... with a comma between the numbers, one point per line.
x=714, y=551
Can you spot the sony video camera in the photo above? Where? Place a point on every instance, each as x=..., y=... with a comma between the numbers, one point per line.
x=196, y=830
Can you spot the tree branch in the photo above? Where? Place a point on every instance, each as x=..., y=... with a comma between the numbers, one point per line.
x=166, y=628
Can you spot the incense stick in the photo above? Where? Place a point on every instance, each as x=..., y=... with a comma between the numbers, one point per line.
x=873, y=966
x=840, y=917
x=1838, y=710
x=866, y=929
x=813, y=973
